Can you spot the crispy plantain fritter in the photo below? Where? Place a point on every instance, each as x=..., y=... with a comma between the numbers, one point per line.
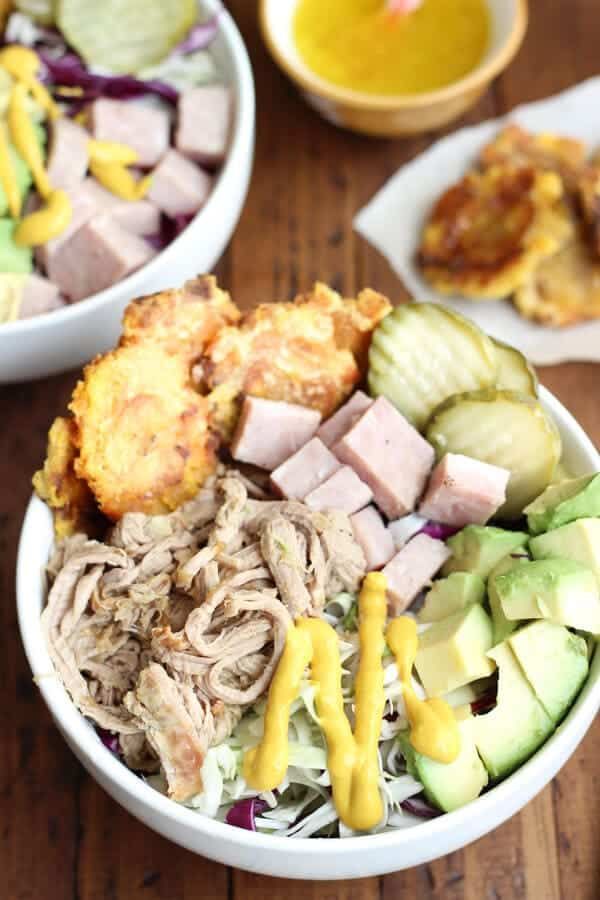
x=488, y=232
x=515, y=147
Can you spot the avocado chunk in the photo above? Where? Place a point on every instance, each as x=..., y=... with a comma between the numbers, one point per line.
x=478, y=548
x=451, y=594
x=511, y=732
x=555, y=663
x=578, y=540
x=449, y=785
x=12, y=257
x=559, y=504
x=452, y=652
x=561, y=590
x=503, y=626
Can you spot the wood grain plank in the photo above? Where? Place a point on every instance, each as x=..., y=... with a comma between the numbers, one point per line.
x=256, y=887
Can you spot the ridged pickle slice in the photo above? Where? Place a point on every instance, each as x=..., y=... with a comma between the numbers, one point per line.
x=125, y=35
x=507, y=429
x=422, y=353
x=514, y=372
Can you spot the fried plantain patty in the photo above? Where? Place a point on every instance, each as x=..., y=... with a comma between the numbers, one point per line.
x=301, y=352
x=67, y=495
x=142, y=431
x=488, y=233
x=513, y=146
x=182, y=321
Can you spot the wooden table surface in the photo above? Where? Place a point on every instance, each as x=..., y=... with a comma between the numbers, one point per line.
x=61, y=836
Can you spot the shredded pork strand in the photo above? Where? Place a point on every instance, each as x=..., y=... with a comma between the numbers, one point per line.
x=170, y=629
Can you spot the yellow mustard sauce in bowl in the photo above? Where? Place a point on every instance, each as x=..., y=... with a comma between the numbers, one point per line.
x=360, y=45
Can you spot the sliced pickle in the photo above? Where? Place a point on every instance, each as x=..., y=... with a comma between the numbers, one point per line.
x=504, y=428
x=422, y=353
x=514, y=372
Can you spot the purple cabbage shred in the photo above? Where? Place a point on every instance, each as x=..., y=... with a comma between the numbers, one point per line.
x=243, y=813
x=439, y=531
x=199, y=37
x=110, y=740
x=418, y=806
x=70, y=71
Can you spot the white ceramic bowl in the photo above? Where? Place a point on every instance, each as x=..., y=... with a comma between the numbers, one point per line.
x=67, y=338
x=303, y=858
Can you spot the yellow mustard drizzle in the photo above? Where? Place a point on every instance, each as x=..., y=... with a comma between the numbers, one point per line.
x=108, y=160
x=434, y=730
x=108, y=164
x=352, y=758
x=7, y=175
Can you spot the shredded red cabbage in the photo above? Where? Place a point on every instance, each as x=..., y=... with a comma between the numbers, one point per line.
x=243, y=813
x=70, y=71
x=438, y=530
x=418, y=806
x=199, y=37
x=169, y=230
x=110, y=740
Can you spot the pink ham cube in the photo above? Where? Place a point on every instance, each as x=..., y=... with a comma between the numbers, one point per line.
x=305, y=470
x=374, y=538
x=39, y=296
x=343, y=491
x=179, y=187
x=270, y=431
x=411, y=570
x=68, y=156
x=389, y=455
x=464, y=491
x=203, y=123
x=342, y=421
x=99, y=254
x=140, y=125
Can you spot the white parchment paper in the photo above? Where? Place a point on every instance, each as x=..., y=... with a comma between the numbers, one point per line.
x=392, y=221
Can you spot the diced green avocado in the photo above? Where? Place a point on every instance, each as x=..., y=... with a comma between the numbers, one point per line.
x=503, y=626
x=559, y=504
x=578, y=540
x=560, y=590
x=12, y=257
x=478, y=548
x=451, y=594
x=512, y=731
x=452, y=652
x=555, y=663
x=449, y=785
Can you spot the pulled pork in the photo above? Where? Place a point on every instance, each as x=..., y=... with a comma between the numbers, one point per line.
x=174, y=625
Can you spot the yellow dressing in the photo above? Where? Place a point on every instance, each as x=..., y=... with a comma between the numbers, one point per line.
x=108, y=160
x=357, y=44
x=7, y=175
x=352, y=758
x=45, y=223
x=434, y=730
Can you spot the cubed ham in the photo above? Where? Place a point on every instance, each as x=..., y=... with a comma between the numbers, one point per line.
x=464, y=491
x=389, y=455
x=90, y=199
x=179, y=187
x=374, y=538
x=342, y=421
x=98, y=255
x=68, y=155
x=411, y=570
x=343, y=491
x=270, y=431
x=39, y=296
x=142, y=126
x=305, y=470
x=203, y=123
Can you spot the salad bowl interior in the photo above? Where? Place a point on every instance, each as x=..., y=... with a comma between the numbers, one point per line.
x=307, y=858
x=70, y=336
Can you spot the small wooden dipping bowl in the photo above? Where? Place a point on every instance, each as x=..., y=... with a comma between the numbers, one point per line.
x=393, y=116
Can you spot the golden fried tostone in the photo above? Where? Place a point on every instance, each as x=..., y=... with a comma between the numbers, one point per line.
x=564, y=289
x=300, y=352
x=182, y=321
x=142, y=431
x=488, y=233
x=515, y=147
x=70, y=498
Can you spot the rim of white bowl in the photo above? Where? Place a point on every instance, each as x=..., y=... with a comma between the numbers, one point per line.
x=548, y=759
x=243, y=126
